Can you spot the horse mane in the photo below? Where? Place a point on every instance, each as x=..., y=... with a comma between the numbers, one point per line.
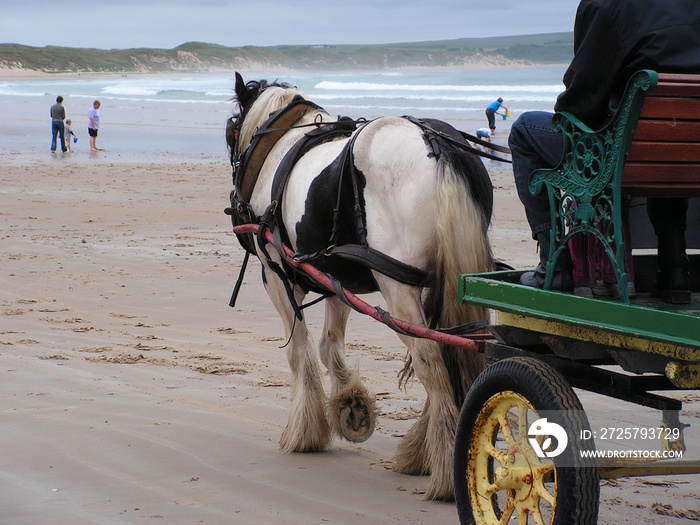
x=268, y=98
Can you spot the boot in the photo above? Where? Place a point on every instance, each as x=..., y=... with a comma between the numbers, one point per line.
x=563, y=280
x=673, y=278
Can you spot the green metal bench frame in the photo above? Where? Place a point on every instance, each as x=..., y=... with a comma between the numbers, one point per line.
x=585, y=189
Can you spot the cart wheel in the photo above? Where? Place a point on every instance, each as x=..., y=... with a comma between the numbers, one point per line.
x=499, y=477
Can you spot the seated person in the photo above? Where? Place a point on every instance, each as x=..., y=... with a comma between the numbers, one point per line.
x=612, y=40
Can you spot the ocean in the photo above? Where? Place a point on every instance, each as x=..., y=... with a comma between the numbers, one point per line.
x=184, y=115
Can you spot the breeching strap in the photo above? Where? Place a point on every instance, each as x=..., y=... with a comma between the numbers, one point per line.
x=470, y=343
x=465, y=146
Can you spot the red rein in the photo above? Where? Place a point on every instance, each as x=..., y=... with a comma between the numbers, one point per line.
x=469, y=342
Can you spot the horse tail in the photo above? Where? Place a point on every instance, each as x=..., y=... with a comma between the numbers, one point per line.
x=465, y=202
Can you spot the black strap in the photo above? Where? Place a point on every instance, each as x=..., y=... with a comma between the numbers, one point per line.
x=462, y=144
x=239, y=281
x=310, y=140
x=464, y=329
x=495, y=147
x=387, y=320
x=262, y=143
x=347, y=168
x=383, y=263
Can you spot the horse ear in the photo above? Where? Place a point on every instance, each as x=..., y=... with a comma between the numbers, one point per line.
x=240, y=87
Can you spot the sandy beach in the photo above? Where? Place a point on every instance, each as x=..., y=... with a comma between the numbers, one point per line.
x=132, y=392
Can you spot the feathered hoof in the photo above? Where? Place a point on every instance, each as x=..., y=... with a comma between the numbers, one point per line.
x=413, y=459
x=356, y=422
x=411, y=455
x=305, y=440
x=440, y=489
x=307, y=429
x=355, y=414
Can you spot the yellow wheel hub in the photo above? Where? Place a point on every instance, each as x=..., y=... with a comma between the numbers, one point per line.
x=507, y=480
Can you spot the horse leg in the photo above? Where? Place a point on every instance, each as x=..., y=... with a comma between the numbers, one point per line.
x=428, y=446
x=352, y=409
x=307, y=429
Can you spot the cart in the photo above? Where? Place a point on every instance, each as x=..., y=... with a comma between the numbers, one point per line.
x=512, y=462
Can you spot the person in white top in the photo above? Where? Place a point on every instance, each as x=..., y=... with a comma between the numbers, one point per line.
x=94, y=116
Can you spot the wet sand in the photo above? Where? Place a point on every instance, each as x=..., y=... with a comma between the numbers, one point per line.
x=132, y=392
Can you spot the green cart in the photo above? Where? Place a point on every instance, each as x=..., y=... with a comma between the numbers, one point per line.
x=545, y=344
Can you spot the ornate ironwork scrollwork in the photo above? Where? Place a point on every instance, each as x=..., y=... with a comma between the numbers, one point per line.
x=585, y=188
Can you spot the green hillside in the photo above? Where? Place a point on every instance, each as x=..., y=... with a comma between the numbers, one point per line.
x=197, y=56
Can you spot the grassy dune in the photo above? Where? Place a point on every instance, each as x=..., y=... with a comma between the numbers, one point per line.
x=197, y=56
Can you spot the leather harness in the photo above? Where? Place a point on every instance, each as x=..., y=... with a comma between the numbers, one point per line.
x=247, y=174
x=264, y=140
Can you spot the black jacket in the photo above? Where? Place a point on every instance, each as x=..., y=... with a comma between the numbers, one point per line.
x=615, y=38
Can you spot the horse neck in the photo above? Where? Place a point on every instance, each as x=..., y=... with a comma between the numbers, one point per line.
x=271, y=100
x=263, y=185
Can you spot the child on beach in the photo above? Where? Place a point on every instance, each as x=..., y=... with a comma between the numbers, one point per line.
x=484, y=133
x=68, y=133
x=94, y=116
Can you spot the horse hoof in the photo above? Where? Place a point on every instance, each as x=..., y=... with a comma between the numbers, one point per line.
x=356, y=423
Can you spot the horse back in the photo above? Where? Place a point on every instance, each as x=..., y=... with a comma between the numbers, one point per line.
x=378, y=189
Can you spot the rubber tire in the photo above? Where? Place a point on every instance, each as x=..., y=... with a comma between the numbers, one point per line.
x=545, y=389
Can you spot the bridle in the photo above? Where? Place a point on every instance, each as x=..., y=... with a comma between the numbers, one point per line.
x=233, y=132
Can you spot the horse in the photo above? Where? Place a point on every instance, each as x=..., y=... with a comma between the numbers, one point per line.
x=404, y=196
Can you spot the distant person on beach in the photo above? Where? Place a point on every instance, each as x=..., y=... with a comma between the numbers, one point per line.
x=492, y=111
x=94, y=116
x=68, y=133
x=484, y=133
x=58, y=115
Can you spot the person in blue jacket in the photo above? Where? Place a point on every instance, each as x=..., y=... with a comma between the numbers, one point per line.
x=492, y=111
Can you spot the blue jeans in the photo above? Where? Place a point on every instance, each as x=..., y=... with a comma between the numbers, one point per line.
x=490, y=116
x=534, y=145
x=57, y=128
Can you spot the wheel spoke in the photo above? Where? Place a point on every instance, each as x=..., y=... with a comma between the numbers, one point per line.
x=508, y=509
x=544, y=468
x=543, y=493
x=522, y=423
x=522, y=516
x=505, y=428
x=491, y=489
x=537, y=516
x=496, y=454
x=548, y=497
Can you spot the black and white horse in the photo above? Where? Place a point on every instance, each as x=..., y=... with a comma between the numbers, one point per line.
x=401, y=193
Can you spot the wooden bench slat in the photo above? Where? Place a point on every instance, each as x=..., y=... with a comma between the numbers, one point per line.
x=670, y=108
x=664, y=158
x=679, y=77
x=675, y=89
x=651, y=172
x=676, y=191
x=664, y=152
x=667, y=130
x=666, y=190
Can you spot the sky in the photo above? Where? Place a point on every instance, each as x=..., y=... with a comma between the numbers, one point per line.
x=124, y=24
